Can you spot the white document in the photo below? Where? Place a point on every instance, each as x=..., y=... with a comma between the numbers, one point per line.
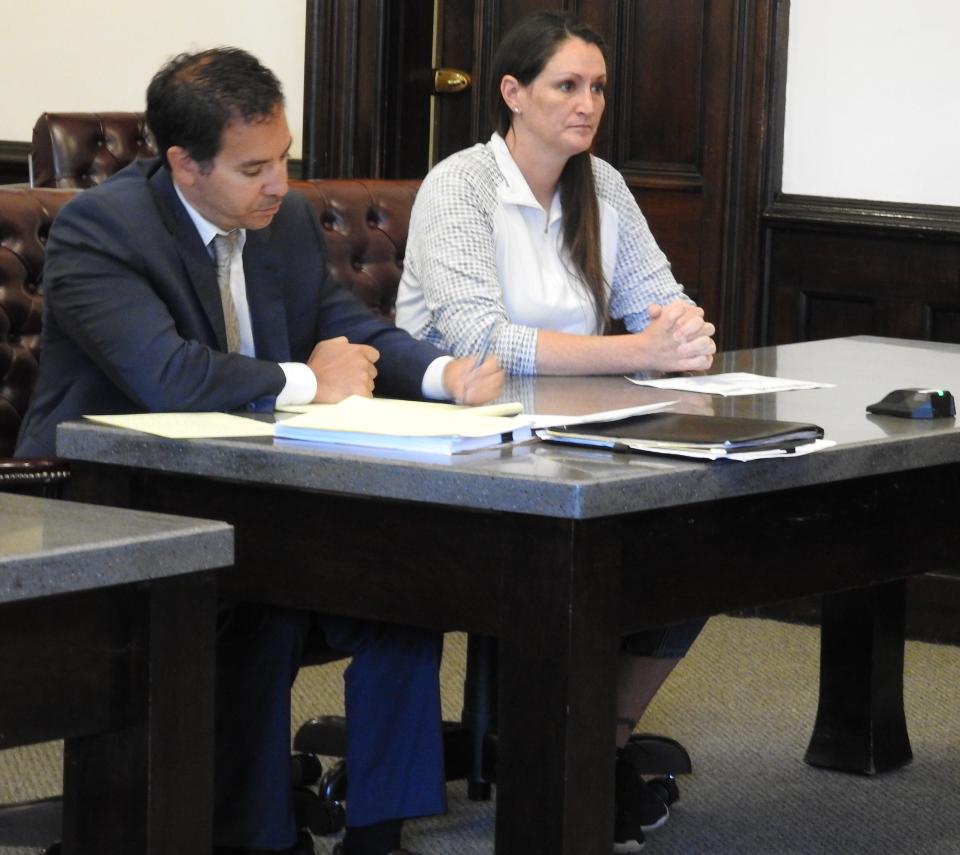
x=513, y=408
x=188, y=425
x=549, y=421
x=708, y=453
x=736, y=383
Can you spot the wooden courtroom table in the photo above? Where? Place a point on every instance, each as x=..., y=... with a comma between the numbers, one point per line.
x=558, y=551
x=107, y=621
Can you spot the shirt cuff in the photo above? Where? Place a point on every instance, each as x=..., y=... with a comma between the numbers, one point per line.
x=301, y=385
x=432, y=385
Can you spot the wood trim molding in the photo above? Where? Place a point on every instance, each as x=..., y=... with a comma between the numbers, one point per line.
x=331, y=68
x=756, y=102
x=658, y=177
x=859, y=214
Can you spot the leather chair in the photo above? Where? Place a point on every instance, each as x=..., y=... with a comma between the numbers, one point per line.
x=25, y=218
x=78, y=150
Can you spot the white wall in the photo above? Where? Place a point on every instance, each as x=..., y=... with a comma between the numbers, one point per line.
x=873, y=86
x=101, y=56
x=873, y=100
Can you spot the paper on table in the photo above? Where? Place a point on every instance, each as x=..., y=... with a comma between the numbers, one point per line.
x=744, y=456
x=549, y=421
x=188, y=425
x=712, y=453
x=513, y=408
x=736, y=383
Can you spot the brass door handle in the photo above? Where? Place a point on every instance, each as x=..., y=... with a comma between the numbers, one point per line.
x=446, y=81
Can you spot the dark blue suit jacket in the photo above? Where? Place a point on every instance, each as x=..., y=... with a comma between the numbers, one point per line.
x=133, y=321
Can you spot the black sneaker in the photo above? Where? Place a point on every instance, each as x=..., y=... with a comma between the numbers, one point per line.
x=638, y=808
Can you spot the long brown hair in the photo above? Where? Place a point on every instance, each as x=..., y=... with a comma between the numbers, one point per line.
x=524, y=51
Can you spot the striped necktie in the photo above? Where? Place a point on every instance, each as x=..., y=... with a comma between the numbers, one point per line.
x=225, y=246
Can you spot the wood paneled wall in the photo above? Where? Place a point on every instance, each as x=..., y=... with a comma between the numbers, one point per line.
x=835, y=277
x=834, y=267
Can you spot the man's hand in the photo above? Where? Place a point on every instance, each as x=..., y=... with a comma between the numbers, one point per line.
x=679, y=338
x=342, y=369
x=469, y=383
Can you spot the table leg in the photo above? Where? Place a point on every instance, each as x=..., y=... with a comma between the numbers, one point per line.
x=860, y=724
x=148, y=788
x=557, y=686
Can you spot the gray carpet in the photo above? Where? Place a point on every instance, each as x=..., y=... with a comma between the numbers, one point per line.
x=743, y=703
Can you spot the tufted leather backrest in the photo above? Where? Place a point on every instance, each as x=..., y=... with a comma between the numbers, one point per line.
x=77, y=150
x=25, y=218
x=365, y=224
x=364, y=221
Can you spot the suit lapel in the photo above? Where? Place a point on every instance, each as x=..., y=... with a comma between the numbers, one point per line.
x=201, y=269
x=263, y=271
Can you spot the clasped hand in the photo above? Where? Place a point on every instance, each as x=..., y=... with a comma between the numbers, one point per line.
x=343, y=369
x=680, y=338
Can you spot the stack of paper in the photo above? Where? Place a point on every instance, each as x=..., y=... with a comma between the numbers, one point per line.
x=433, y=428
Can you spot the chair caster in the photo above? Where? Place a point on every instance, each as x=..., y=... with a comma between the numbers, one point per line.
x=321, y=816
x=333, y=784
x=305, y=769
x=666, y=788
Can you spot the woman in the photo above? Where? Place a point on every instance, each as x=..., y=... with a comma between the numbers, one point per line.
x=522, y=248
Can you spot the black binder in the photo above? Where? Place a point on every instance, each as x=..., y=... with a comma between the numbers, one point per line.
x=683, y=432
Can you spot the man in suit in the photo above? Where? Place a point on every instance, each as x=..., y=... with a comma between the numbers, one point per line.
x=193, y=281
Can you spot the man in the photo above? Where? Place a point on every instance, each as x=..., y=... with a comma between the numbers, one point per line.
x=193, y=281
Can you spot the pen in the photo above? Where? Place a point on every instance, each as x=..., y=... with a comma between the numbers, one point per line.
x=480, y=357
x=484, y=350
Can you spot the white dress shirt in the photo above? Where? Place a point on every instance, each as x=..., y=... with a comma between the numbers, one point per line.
x=301, y=383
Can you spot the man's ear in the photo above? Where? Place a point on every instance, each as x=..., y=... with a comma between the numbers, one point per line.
x=184, y=168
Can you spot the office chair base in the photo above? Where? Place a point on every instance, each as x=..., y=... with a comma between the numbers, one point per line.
x=326, y=736
x=321, y=815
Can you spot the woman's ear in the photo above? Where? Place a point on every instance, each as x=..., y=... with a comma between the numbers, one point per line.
x=510, y=92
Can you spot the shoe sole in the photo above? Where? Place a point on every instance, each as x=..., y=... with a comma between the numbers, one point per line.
x=627, y=847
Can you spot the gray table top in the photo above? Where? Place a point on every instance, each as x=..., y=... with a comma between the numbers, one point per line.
x=551, y=480
x=50, y=547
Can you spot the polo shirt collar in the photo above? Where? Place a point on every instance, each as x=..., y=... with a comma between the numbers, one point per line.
x=515, y=190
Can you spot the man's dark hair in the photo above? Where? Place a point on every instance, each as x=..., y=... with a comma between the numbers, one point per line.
x=196, y=95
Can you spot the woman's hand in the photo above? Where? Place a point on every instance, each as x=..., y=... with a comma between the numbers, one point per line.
x=468, y=382
x=679, y=338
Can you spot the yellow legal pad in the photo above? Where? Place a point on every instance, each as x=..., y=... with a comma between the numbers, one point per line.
x=188, y=425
